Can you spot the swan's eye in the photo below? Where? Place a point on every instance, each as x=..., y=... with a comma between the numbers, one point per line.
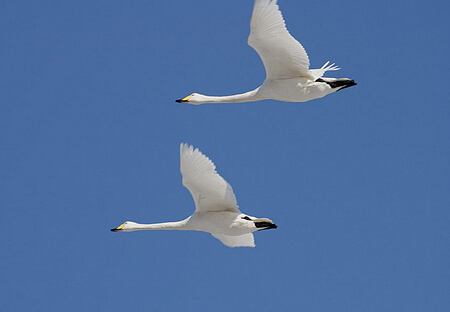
x=247, y=218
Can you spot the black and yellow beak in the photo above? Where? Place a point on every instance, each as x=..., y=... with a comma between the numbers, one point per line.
x=119, y=228
x=184, y=100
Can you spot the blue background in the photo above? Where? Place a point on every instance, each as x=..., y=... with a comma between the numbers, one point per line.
x=358, y=182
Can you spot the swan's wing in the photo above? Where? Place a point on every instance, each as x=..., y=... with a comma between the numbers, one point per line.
x=245, y=240
x=318, y=73
x=209, y=190
x=282, y=55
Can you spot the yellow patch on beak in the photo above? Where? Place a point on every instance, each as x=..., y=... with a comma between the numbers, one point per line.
x=119, y=228
x=184, y=100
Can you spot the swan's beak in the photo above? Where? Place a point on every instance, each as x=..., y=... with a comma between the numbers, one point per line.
x=184, y=100
x=119, y=228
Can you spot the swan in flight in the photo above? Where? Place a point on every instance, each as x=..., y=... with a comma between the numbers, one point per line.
x=288, y=77
x=216, y=210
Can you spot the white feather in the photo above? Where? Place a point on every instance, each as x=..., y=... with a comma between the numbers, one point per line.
x=283, y=56
x=245, y=240
x=209, y=190
x=318, y=73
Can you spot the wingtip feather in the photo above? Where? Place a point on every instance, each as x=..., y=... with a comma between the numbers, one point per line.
x=330, y=67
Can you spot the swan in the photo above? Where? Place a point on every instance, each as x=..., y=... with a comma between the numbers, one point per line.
x=288, y=77
x=216, y=209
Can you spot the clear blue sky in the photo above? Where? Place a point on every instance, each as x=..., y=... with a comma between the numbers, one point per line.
x=358, y=182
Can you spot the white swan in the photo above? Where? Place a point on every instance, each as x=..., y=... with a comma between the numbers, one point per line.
x=288, y=77
x=216, y=209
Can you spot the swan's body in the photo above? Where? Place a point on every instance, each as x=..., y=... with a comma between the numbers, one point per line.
x=216, y=208
x=288, y=77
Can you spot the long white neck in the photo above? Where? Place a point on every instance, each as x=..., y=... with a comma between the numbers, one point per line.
x=236, y=98
x=178, y=225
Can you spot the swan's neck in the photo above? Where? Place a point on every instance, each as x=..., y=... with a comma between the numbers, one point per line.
x=179, y=225
x=236, y=98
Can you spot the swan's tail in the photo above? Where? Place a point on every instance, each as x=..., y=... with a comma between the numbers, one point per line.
x=317, y=73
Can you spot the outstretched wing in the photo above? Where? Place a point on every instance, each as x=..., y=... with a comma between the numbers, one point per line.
x=209, y=190
x=282, y=55
x=245, y=240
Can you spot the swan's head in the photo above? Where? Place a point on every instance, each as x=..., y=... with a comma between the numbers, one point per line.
x=126, y=226
x=194, y=98
x=260, y=223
